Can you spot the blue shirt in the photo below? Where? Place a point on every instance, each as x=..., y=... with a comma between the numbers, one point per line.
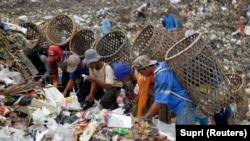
x=105, y=26
x=221, y=117
x=79, y=72
x=166, y=83
x=170, y=22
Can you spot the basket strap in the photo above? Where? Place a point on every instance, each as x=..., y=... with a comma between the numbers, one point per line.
x=181, y=97
x=172, y=92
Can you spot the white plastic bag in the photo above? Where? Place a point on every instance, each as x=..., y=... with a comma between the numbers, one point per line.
x=247, y=29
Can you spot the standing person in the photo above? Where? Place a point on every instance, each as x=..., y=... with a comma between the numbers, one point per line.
x=125, y=73
x=76, y=69
x=222, y=117
x=141, y=11
x=168, y=90
x=190, y=29
x=101, y=75
x=57, y=58
x=169, y=20
x=242, y=21
x=105, y=23
x=38, y=57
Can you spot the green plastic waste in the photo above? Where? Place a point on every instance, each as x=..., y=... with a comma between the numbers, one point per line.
x=121, y=131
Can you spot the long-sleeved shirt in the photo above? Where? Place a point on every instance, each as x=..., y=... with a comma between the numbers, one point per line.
x=144, y=86
x=170, y=22
x=62, y=64
x=105, y=26
x=46, y=63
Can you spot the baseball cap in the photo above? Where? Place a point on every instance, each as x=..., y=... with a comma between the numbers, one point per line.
x=121, y=70
x=72, y=62
x=54, y=53
x=142, y=62
x=91, y=56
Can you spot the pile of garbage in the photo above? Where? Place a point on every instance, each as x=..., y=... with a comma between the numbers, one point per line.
x=29, y=112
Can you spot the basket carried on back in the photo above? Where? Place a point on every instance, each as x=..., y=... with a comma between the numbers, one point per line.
x=82, y=40
x=61, y=29
x=152, y=42
x=237, y=85
x=114, y=47
x=197, y=69
x=176, y=34
x=34, y=33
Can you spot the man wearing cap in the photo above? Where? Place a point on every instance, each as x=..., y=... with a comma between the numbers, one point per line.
x=170, y=21
x=76, y=69
x=129, y=75
x=168, y=90
x=105, y=23
x=57, y=58
x=101, y=75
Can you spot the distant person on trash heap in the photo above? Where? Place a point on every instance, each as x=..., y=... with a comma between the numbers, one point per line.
x=130, y=78
x=168, y=90
x=38, y=57
x=141, y=11
x=76, y=69
x=101, y=75
x=58, y=59
x=242, y=24
x=105, y=23
x=169, y=20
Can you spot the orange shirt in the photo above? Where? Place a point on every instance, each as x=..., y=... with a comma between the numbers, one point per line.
x=144, y=86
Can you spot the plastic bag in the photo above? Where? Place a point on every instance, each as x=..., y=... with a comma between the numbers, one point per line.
x=247, y=29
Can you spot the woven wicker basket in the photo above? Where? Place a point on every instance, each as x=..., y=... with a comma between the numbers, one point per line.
x=237, y=85
x=83, y=40
x=114, y=47
x=34, y=33
x=152, y=42
x=59, y=27
x=176, y=35
x=195, y=66
x=238, y=88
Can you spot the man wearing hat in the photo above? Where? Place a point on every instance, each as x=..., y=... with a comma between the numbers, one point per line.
x=105, y=23
x=168, y=90
x=57, y=58
x=169, y=20
x=75, y=68
x=131, y=77
x=101, y=75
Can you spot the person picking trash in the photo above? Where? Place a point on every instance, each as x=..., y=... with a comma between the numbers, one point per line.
x=168, y=90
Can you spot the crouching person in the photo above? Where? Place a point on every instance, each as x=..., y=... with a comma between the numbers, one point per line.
x=101, y=75
x=168, y=90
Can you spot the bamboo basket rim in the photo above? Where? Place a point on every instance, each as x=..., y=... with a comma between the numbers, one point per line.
x=184, y=50
x=242, y=84
x=95, y=36
x=73, y=30
x=150, y=41
x=115, y=52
